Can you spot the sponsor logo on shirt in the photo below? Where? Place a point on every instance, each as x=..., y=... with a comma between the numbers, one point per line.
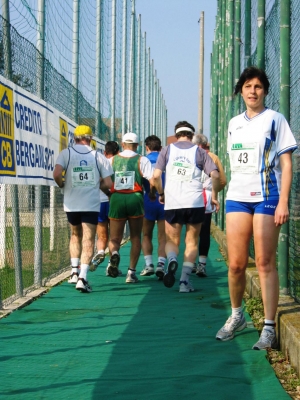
x=255, y=193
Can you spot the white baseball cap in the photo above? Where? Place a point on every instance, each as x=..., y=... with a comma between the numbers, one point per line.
x=130, y=137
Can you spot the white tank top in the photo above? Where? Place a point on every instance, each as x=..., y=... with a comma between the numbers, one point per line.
x=183, y=187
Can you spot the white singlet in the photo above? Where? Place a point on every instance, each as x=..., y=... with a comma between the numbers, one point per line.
x=183, y=188
x=83, y=167
x=254, y=147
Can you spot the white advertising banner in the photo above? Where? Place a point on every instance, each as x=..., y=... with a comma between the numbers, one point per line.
x=32, y=133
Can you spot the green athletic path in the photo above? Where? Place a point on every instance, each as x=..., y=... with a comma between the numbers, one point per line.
x=133, y=341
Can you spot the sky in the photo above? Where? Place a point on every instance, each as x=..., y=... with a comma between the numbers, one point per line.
x=173, y=35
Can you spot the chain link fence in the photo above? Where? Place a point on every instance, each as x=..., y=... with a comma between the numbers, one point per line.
x=34, y=232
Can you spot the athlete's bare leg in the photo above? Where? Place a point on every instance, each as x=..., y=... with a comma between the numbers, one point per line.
x=135, y=228
x=265, y=241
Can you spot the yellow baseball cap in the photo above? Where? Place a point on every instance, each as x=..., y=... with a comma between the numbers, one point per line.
x=83, y=131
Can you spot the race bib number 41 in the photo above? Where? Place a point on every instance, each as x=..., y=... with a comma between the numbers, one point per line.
x=124, y=180
x=244, y=158
x=83, y=176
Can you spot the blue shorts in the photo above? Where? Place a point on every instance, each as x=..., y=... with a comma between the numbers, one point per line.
x=154, y=210
x=266, y=207
x=103, y=214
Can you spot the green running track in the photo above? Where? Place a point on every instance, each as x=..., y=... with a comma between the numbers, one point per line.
x=133, y=341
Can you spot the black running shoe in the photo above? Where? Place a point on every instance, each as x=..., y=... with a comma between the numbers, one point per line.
x=169, y=277
x=114, y=262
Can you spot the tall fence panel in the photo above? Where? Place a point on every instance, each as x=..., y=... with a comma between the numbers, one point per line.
x=249, y=40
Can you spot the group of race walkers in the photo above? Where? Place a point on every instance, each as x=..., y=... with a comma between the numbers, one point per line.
x=178, y=185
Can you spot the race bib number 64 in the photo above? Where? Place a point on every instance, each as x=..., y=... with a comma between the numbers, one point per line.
x=83, y=176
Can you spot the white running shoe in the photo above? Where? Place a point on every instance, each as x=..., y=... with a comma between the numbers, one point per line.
x=185, y=287
x=148, y=270
x=96, y=261
x=267, y=340
x=232, y=325
x=131, y=277
x=201, y=270
x=83, y=286
x=73, y=278
x=160, y=271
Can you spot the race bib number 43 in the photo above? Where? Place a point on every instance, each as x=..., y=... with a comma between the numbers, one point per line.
x=244, y=158
x=83, y=176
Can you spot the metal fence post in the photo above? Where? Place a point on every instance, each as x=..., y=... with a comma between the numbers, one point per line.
x=98, y=121
x=261, y=34
x=284, y=108
x=75, y=63
x=124, y=68
x=113, y=71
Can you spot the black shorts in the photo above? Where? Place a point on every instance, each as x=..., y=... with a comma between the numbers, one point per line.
x=78, y=217
x=184, y=216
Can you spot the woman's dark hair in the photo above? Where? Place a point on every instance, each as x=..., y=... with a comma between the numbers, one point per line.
x=112, y=147
x=250, y=73
x=187, y=133
x=153, y=142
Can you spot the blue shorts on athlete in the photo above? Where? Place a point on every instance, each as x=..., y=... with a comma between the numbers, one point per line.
x=266, y=207
x=154, y=210
x=103, y=214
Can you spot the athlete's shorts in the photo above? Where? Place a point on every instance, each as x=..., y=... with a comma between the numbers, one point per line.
x=126, y=205
x=104, y=210
x=78, y=217
x=266, y=207
x=184, y=216
x=154, y=210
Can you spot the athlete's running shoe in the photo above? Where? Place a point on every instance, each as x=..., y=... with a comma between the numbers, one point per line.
x=201, y=270
x=96, y=261
x=169, y=277
x=185, y=287
x=148, y=270
x=160, y=270
x=73, y=278
x=83, y=286
x=106, y=271
x=131, y=277
x=267, y=340
x=232, y=325
x=114, y=262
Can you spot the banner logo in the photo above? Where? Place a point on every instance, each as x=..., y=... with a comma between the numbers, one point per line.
x=7, y=157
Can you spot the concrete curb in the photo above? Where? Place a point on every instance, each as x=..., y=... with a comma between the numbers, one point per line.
x=288, y=312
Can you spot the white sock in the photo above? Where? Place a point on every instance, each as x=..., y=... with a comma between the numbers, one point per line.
x=186, y=271
x=202, y=260
x=101, y=251
x=148, y=260
x=270, y=327
x=237, y=311
x=162, y=260
x=83, y=271
x=74, y=262
x=172, y=256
